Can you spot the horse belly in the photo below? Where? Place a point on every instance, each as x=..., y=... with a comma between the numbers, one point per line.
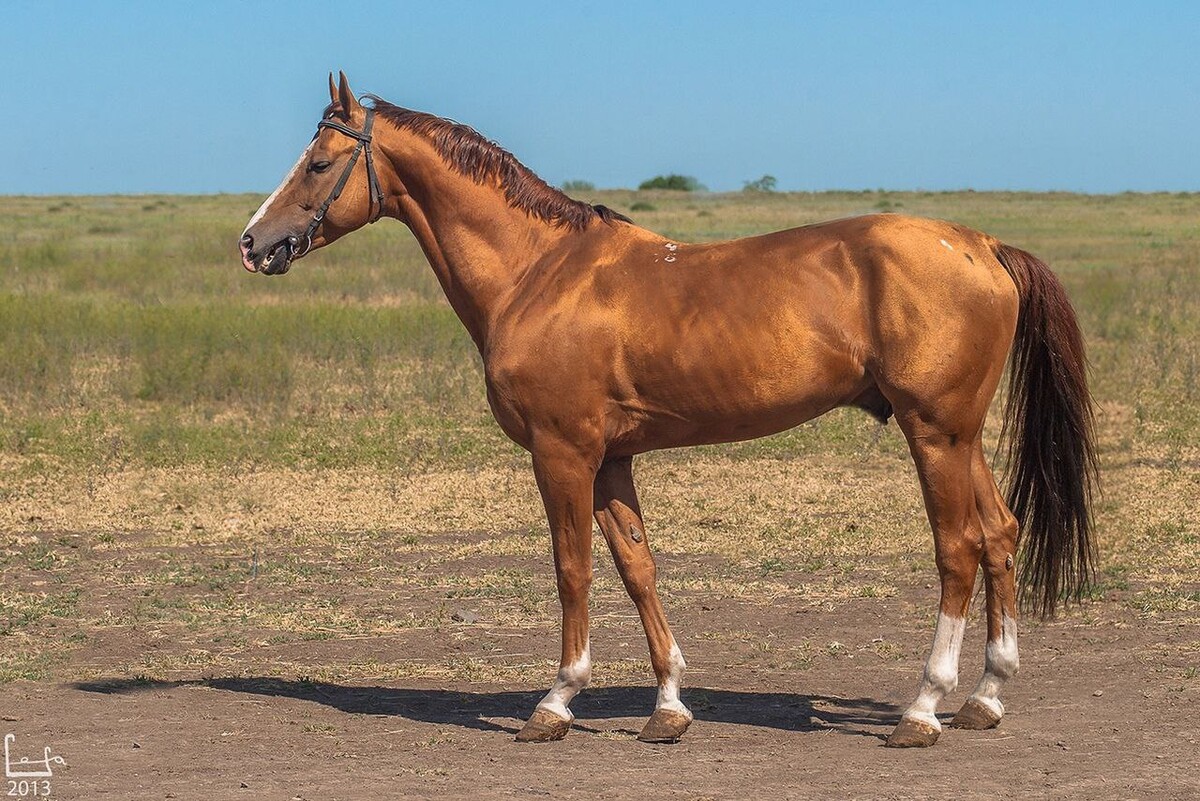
x=730, y=393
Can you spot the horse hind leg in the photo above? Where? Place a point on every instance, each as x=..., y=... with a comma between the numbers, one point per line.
x=620, y=519
x=983, y=709
x=943, y=463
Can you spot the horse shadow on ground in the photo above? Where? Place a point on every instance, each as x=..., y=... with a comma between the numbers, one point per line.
x=480, y=710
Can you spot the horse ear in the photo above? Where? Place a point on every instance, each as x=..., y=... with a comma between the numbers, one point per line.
x=345, y=96
x=333, y=92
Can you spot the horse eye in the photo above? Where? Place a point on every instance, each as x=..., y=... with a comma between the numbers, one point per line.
x=319, y=166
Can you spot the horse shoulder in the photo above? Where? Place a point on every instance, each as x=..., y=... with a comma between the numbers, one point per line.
x=544, y=369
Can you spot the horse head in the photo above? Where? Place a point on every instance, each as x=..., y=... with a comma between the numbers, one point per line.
x=333, y=189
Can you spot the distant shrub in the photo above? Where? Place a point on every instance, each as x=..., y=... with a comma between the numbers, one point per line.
x=764, y=184
x=578, y=186
x=682, y=183
x=642, y=205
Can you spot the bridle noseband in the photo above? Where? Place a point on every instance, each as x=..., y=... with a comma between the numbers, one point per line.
x=373, y=188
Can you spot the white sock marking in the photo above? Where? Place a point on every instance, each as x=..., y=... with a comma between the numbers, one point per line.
x=262, y=210
x=1001, y=664
x=941, y=670
x=668, y=692
x=571, y=679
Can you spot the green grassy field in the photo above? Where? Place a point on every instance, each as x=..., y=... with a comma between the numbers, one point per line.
x=164, y=414
x=131, y=336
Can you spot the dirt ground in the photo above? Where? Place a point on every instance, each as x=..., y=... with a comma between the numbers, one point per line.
x=795, y=705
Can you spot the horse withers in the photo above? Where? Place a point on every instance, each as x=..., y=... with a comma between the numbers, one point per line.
x=601, y=340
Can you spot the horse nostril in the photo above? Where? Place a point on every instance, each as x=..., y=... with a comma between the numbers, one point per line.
x=246, y=241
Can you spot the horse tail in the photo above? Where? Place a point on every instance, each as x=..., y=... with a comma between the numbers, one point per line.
x=1049, y=427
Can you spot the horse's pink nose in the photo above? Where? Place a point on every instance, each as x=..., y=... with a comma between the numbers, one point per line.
x=244, y=244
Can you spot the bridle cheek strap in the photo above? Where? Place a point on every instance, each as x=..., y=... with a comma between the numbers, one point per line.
x=374, y=190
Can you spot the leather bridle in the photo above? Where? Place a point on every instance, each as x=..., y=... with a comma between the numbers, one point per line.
x=373, y=188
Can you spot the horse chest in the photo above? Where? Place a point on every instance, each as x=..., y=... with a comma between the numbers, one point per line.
x=543, y=385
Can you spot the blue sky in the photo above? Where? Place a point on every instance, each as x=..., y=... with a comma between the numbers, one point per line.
x=222, y=96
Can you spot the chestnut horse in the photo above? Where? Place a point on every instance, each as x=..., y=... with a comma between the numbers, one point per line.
x=602, y=340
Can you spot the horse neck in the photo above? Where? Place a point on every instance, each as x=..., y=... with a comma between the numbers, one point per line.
x=477, y=243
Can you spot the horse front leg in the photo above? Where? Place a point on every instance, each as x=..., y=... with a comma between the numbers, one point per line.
x=620, y=518
x=565, y=475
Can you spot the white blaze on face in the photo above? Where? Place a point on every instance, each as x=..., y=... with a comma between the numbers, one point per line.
x=571, y=679
x=262, y=210
x=941, y=671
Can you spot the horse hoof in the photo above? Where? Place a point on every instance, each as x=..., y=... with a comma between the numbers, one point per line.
x=975, y=715
x=543, y=727
x=911, y=733
x=665, y=726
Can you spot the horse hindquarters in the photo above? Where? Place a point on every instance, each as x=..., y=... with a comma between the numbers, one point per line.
x=940, y=374
x=1048, y=421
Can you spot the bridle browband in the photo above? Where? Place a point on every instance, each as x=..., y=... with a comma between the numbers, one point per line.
x=373, y=188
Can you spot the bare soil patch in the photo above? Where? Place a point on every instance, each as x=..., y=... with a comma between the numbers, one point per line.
x=792, y=698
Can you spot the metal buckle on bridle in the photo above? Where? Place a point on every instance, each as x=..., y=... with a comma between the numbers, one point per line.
x=375, y=192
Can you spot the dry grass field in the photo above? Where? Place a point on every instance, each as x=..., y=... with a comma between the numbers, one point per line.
x=260, y=539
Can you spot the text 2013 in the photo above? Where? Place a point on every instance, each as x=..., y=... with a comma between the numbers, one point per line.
x=28, y=789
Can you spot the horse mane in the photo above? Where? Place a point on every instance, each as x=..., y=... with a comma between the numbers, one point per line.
x=470, y=153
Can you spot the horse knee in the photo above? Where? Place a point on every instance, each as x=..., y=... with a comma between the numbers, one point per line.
x=574, y=581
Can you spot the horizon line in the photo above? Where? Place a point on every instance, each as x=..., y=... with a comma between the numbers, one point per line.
x=670, y=192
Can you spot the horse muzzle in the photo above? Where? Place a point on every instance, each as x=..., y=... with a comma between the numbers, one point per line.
x=275, y=260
